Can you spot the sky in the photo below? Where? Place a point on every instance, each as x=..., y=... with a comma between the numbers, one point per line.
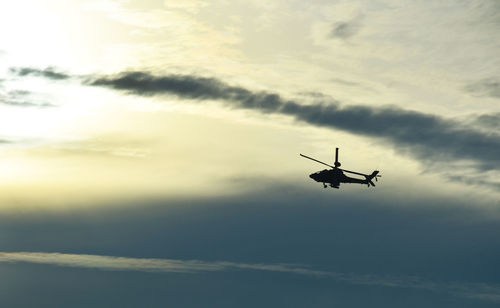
x=149, y=153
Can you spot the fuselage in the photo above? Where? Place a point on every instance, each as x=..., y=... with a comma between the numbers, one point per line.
x=334, y=177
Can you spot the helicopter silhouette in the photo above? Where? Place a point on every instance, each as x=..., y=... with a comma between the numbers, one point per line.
x=335, y=176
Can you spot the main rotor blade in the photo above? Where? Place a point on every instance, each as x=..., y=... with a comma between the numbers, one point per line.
x=316, y=160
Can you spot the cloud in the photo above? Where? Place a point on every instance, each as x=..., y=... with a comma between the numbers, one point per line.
x=111, y=263
x=21, y=98
x=351, y=236
x=344, y=30
x=491, y=121
x=475, y=180
x=113, y=145
x=48, y=72
x=345, y=82
x=486, y=87
x=423, y=136
x=24, y=103
x=431, y=139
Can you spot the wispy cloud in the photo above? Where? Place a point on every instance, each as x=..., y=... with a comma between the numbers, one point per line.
x=21, y=98
x=17, y=103
x=346, y=29
x=491, y=121
x=424, y=136
x=106, y=145
x=110, y=263
x=486, y=87
x=49, y=72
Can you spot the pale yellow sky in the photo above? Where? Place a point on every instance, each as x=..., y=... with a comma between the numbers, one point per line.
x=104, y=144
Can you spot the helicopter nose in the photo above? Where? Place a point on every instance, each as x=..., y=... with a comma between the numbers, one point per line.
x=312, y=176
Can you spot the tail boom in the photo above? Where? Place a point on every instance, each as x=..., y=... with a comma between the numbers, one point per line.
x=370, y=177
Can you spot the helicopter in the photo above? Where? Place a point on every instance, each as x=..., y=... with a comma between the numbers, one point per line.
x=335, y=176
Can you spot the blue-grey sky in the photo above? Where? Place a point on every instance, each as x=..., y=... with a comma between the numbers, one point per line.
x=284, y=246
x=149, y=153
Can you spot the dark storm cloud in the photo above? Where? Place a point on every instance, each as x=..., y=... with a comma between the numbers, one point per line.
x=424, y=136
x=486, y=87
x=49, y=72
x=299, y=244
